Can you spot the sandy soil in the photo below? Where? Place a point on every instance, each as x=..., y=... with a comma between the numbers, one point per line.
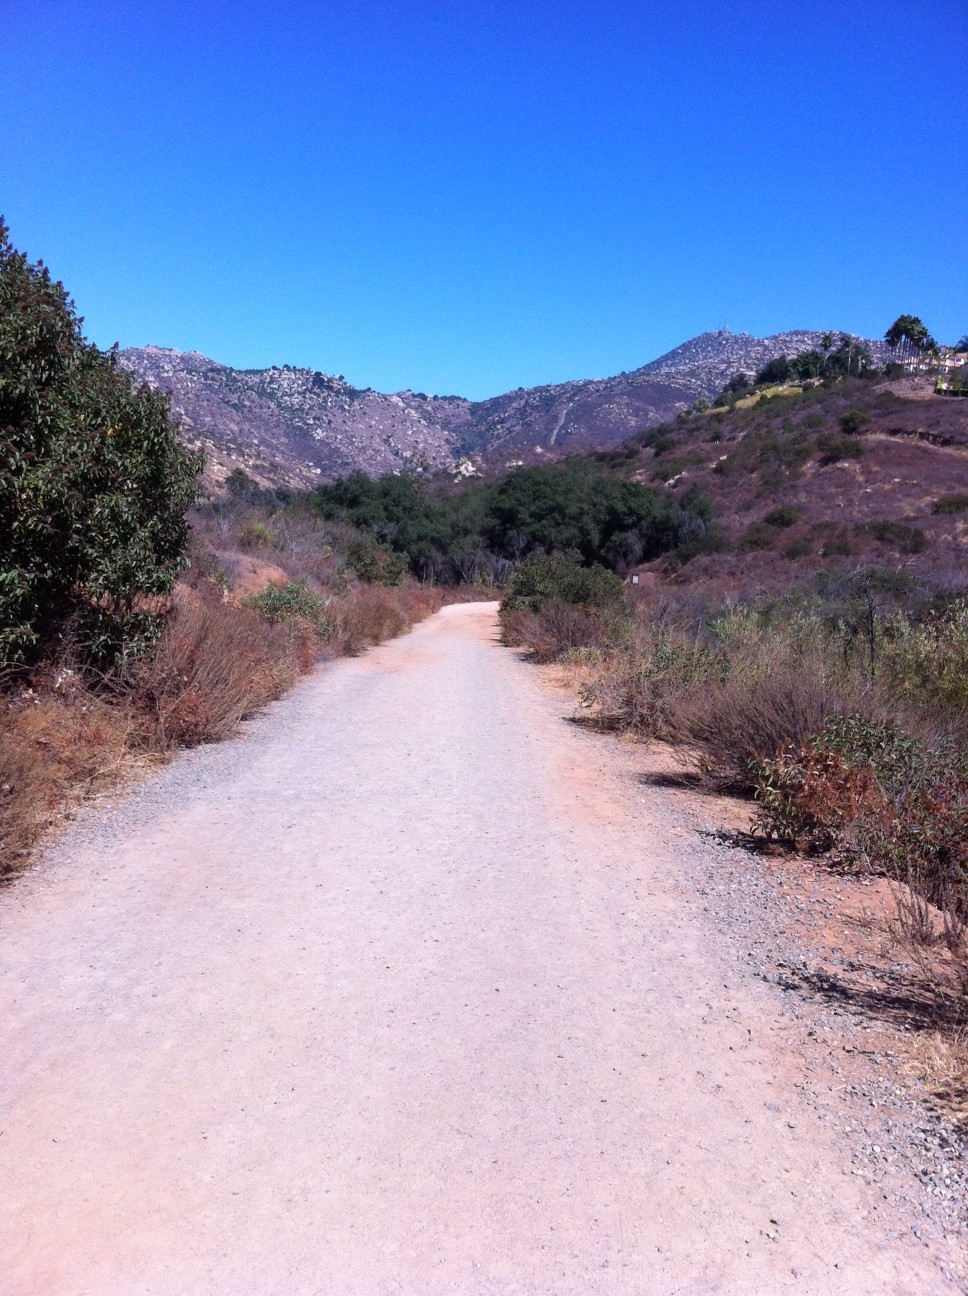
x=410, y=990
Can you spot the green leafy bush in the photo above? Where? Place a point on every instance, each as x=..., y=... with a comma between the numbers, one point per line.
x=553, y=578
x=256, y=535
x=93, y=482
x=784, y=516
x=758, y=535
x=950, y=504
x=485, y=527
x=376, y=564
x=797, y=549
x=852, y=421
x=835, y=447
x=289, y=602
x=906, y=539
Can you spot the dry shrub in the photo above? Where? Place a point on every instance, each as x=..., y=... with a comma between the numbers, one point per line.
x=729, y=727
x=214, y=665
x=635, y=689
x=56, y=746
x=24, y=793
x=369, y=614
x=559, y=628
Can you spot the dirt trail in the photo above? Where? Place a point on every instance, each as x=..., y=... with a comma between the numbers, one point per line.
x=404, y=992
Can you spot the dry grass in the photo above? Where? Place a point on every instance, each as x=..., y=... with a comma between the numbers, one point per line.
x=558, y=629
x=727, y=731
x=60, y=745
x=371, y=614
x=214, y=665
x=63, y=740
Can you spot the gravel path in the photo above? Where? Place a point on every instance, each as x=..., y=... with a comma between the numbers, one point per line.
x=408, y=991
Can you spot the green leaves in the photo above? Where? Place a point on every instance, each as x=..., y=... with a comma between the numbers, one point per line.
x=93, y=482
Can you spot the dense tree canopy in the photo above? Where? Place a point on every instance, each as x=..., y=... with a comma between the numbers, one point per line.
x=908, y=329
x=563, y=508
x=93, y=481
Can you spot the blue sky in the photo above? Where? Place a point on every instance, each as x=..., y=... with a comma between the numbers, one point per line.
x=468, y=197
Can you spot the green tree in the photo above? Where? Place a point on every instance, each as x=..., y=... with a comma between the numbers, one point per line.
x=93, y=481
x=908, y=331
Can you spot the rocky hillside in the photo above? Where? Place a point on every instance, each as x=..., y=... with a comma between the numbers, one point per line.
x=296, y=427
x=711, y=359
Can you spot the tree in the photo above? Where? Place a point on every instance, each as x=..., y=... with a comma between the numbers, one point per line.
x=93, y=482
x=777, y=370
x=910, y=330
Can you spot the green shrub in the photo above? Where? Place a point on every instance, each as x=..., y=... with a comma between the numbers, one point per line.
x=906, y=539
x=950, y=504
x=834, y=448
x=289, y=602
x=767, y=452
x=376, y=564
x=883, y=799
x=784, y=516
x=797, y=549
x=838, y=545
x=553, y=578
x=852, y=421
x=661, y=443
x=256, y=535
x=758, y=535
x=94, y=483
x=240, y=485
x=925, y=662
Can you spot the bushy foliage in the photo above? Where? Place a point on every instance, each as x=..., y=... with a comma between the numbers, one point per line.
x=476, y=532
x=884, y=800
x=375, y=563
x=947, y=504
x=852, y=420
x=290, y=602
x=906, y=539
x=93, y=481
x=784, y=516
x=834, y=447
x=554, y=578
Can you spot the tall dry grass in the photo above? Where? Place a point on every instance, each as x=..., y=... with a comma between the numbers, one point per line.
x=65, y=736
x=848, y=727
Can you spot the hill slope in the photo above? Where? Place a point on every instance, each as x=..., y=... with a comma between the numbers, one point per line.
x=296, y=427
x=792, y=492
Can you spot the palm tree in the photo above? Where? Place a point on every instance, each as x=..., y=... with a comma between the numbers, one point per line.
x=908, y=329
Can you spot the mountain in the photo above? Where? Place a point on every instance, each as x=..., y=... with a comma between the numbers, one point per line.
x=296, y=427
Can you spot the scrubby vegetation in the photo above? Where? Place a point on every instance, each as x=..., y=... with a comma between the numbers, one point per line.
x=134, y=620
x=93, y=483
x=841, y=708
x=478, y=532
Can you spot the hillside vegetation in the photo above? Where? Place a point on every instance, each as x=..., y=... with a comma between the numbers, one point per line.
x=810, y=649
x=123, y=633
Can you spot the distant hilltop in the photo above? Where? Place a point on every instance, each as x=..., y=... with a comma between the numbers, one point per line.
x=296, y=427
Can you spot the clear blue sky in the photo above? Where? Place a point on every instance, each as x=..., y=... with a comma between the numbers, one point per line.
x=467, y=197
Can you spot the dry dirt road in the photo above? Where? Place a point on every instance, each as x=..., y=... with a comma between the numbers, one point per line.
x=403, y=992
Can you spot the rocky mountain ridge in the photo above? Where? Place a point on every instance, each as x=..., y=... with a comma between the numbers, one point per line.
x=297, y=427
